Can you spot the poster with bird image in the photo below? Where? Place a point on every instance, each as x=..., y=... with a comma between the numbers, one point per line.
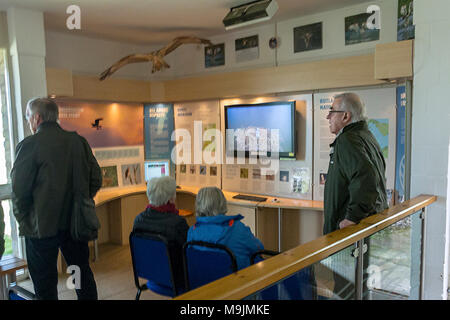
x=308, y=37
x=215, y=55
x=131, y=174
x=103, y=124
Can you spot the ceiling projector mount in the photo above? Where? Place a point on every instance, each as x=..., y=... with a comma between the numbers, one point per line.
x=250, y=13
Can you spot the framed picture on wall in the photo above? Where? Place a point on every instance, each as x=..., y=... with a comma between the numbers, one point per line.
x=308, y=37
x=246, y=48
x=356, y=30
x=131, y=174
x=405, y=27
x=109, y=177
x=215, y=55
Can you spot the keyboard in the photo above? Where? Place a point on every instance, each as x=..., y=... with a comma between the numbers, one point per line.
x=249, y=198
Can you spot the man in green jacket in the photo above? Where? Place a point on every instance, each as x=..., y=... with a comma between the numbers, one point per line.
x=356, y=185
x=42, y=180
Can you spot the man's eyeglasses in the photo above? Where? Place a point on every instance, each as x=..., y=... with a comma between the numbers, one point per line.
x=335, y=111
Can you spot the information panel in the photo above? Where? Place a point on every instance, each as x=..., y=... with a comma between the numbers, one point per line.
x=158, y=128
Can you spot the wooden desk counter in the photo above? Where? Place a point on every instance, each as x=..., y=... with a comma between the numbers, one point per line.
x=286, y=203
x=279, y=224
x=105, y=196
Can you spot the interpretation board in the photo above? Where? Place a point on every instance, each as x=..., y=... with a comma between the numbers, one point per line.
x=114, y=132
x=380, y=107
x=290, y=178
x=197, y=149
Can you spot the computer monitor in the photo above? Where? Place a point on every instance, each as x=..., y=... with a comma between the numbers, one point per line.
x=155, y=169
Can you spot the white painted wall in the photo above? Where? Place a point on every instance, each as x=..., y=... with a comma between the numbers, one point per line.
x=27, y=51
x=190, y=60
x=91, y=56
x=430, y=134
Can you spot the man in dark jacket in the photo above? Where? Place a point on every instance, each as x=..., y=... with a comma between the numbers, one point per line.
x=42, y=196
x=355, y=186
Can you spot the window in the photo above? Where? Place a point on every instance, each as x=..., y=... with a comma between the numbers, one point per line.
x=12, y=242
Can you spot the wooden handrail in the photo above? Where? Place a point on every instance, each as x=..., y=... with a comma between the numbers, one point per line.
x=259, y=276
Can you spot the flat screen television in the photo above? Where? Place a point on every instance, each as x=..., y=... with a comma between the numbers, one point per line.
x=156, y=169
x=253, y=127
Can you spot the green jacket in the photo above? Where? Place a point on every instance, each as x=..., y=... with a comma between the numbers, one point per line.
x=355, y=186
x=42, y=179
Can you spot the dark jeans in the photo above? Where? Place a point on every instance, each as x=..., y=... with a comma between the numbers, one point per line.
x=42, y=255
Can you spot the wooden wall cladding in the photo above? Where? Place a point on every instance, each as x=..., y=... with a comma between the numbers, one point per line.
x=390, y=61
x=394, y=60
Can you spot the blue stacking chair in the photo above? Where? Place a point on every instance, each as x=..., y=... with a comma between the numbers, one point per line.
x=151, y=261
x=300, y=286
x=18, y=293
x=205, y=262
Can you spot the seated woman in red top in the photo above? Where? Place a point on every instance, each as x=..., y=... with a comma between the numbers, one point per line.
x=161, y=217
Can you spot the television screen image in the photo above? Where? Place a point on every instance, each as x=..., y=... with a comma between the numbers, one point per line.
x=253, y=129
x=155, y=169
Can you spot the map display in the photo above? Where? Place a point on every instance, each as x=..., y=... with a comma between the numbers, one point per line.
x=380, y=129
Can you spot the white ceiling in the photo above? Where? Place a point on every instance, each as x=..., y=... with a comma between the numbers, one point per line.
x=158, y=21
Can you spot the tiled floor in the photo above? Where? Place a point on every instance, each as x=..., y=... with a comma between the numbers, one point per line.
x=113, y=274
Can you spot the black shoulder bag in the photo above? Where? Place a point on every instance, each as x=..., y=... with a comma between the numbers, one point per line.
x=84, y=223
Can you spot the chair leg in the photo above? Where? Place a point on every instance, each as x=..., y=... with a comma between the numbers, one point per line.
x=138, y=294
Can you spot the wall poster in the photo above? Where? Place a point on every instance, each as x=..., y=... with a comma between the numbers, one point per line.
x=247, y=48
x=197, y=143
x=405, y=26
x=158, y=128
x=103, y=124
x=356, y=30
x=308, y=37
x=381, y=112
x=215, y=55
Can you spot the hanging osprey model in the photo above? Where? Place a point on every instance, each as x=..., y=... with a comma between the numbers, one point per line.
x=156, y=57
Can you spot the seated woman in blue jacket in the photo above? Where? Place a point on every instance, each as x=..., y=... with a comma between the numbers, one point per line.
x=215, y=227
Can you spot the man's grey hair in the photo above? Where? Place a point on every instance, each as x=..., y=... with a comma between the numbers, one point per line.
x=352, y=103
x=45, y=107
x=210, y=202
x=161, y=190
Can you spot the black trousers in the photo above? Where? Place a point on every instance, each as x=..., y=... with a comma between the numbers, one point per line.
x=42, y=255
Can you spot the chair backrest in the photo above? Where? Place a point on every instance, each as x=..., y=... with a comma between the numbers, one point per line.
x=151, y=259
x=205, y=262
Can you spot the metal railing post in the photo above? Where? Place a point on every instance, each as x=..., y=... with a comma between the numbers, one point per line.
x=359, y=270
x=279, y=229
x=422, y=255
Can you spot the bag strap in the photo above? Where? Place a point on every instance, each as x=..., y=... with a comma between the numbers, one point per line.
x=76, y=167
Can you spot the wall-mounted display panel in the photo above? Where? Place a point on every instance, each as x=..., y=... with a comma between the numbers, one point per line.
x=380, y=107
x=283, y=177
x=198, y=144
